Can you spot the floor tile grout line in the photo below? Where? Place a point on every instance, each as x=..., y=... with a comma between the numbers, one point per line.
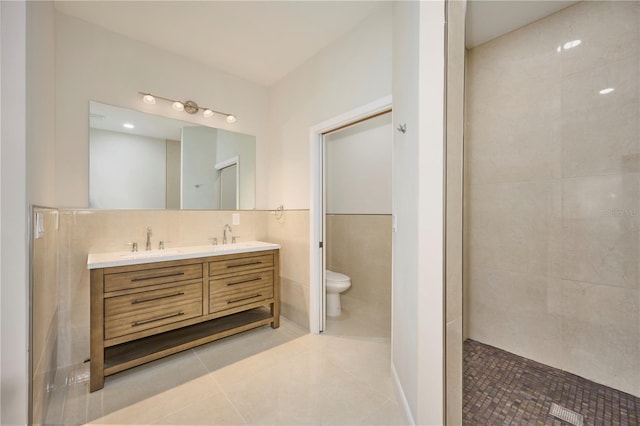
x=201, y=361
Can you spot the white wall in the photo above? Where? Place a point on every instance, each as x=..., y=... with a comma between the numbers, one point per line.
x=349, y=73
x=127, y=171
x=95, y=64
x=198, y=171
x=358, y=163
x=41, y=149
x=13, y=215
x=418, y=166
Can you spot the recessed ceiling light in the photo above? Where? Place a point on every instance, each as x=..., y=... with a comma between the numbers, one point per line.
x=207, y=113
x=231, y=118
x=607, y=90
x=178, y=106
x=128, y=125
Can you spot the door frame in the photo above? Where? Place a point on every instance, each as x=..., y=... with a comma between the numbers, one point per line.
x=233, y=161
x=317, y=312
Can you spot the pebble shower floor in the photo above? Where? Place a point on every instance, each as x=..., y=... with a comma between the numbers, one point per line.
x=501, y=388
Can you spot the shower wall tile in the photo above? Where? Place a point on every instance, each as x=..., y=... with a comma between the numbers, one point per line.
x=609, y=32
x=599, y=132
x=598, y=239
x=600, y=324
x=508, y=225
x=512, y=311
x=552, y=193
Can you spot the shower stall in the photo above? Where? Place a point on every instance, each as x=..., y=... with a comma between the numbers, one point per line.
x=552, y=215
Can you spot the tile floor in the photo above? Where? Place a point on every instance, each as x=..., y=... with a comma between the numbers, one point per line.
x=263, y=376
x=501, y=388
x=360, y=319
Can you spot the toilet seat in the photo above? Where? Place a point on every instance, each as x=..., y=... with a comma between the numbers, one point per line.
x=336, y=276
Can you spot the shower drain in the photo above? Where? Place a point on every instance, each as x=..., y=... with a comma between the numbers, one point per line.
x=566, y=415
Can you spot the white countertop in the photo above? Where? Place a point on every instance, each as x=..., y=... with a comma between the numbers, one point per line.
x=123, y=258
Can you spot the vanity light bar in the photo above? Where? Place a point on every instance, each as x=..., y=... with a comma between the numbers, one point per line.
x=189, y=107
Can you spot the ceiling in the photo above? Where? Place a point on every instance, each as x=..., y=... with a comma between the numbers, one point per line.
x=260, y=41
x=263, y=41
x=107, y=117
x=488, y=19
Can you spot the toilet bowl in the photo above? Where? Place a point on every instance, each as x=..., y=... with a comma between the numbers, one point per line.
x=336, y=283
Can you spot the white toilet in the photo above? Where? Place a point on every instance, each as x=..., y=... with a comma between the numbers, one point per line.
x=336, y=284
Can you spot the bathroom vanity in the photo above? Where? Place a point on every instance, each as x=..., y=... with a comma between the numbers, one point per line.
x=148, y=305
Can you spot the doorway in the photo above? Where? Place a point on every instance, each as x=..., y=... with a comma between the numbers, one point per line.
x=228, y=175
x=318, y=228
x=357, y=224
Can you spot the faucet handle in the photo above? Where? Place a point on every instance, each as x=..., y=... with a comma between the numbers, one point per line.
x=161, y=244
x=134, y=246
x=234, y=238
x=214, y=240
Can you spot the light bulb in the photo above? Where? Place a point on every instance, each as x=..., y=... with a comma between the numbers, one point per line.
x=178, y=106
x=207, y=113
x=149, y=99
x=231, y=119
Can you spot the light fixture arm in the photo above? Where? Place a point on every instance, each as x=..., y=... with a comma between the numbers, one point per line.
x=191, y=107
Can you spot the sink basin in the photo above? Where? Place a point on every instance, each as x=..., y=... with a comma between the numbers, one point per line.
x=148, y=254
x=104, y=260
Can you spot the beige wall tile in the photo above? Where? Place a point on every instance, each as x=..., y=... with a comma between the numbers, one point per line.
x=508, y=226
x=608, y=30
x=360, y=246
x=44, y=321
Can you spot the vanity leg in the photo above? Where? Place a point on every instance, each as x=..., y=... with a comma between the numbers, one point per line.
x=275, y=306
x=96, y=380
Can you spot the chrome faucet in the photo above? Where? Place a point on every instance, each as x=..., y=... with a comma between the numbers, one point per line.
x=224, y=236
x=148, y=237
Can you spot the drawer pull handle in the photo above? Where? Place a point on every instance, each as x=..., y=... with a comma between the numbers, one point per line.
x=151, y=299
x=244, y=298
x=245, y=281
x=175, y=274
x=244, y=264
x=139, y=323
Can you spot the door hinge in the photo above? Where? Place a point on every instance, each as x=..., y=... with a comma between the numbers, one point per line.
x=320, y=245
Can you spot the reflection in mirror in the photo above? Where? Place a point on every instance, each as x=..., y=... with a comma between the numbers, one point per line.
x=144, y=161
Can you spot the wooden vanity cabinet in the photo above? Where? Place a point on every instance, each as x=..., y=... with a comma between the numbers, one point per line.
x=143, y=312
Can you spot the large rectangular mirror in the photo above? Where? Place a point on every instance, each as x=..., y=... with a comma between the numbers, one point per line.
x=144, y=161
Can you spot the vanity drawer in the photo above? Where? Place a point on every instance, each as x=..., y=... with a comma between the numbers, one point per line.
x=240, y=290
x=240, y=264
x=141, y=311
x=147, y=277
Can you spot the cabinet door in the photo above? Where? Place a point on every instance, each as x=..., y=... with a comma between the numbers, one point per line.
x=240, y=264
x=148, y=277
x=238, y=290
x=136, y=312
